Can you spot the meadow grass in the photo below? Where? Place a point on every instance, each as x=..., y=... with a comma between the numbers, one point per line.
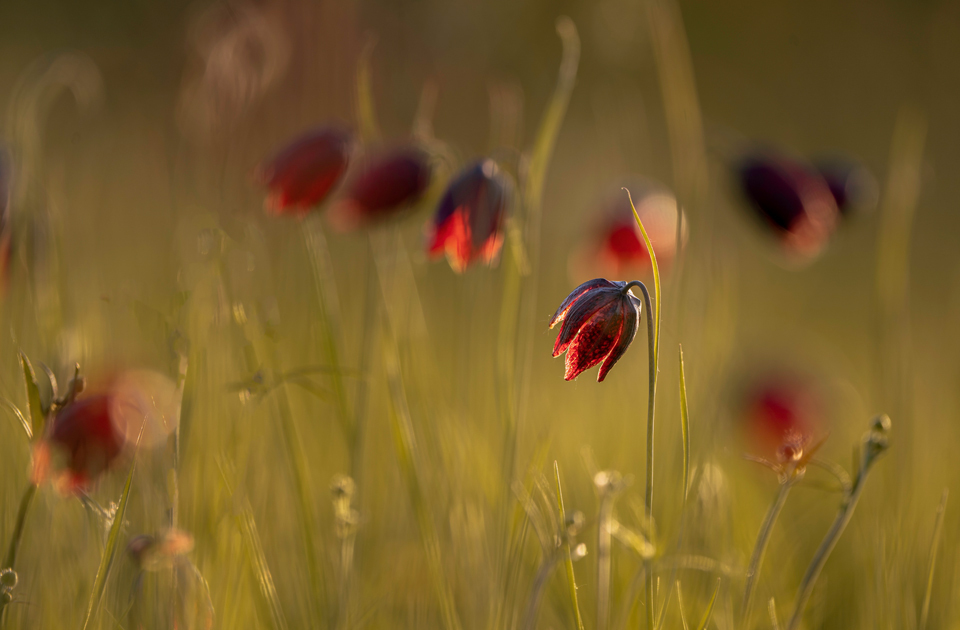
x=367, y=440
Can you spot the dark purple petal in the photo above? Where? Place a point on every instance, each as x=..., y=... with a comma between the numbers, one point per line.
x=589, y=285
x=581, y=312
x=392, y=180
x=596, y=339
x=630, y=315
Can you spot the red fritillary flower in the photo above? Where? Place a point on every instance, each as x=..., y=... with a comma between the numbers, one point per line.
x=600, y=320
x=468, y=223
x=616, y=247
x=388, y=182
x=792, y=199
x=81, y=442
x=301, y=175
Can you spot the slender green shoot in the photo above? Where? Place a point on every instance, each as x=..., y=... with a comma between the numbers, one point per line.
x=873, y=444
x=113, y=541
x=261, y=570
x=684, y=428
x=935, y=545
x=19, y=415
x=568, y=559
x=709, y=611
x=366, y=112
x=34, y=405
x=760, y=548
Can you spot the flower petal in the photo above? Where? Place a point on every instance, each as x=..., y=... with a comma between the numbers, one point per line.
x=589, y=285
x=630, y=316
x=580, y=313
x=595, y=340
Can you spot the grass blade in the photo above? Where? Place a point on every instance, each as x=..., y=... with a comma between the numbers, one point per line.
x=19, y=414
x=937, y=531
x=709, y=612
x=113, y=541
x=568, y=559
x=265, y=584
x=37, y=417
x=684, y=427
x=366, y=112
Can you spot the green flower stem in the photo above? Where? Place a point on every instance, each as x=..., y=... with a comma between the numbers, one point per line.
x=873, y=445
x=651, y=406
x=760, y=548
x=11, y=558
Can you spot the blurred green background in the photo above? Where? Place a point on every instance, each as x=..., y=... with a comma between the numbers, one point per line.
x=148, y=243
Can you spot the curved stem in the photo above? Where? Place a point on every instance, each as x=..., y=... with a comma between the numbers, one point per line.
x=826, y=547
x=651, y=406
x=11, y=558
x=760, y=548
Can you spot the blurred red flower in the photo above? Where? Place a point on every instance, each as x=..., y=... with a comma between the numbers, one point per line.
x=469, y=221
x=81, y=442
x=387, y=183
x=781, y=413
x=616, y=247
x=600, y=320
x=302, y=174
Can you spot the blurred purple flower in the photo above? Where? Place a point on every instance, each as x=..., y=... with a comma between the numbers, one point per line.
x=793, y=200
x=600, y=320
x=469, y=219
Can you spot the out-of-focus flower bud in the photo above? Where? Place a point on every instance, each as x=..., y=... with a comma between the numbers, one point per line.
x=468, y=224
x=615, y=246
x=81, y=443
x=303, y=173
x=792, y=200
x=600, y=320
x=781, y=413
x=387, y=183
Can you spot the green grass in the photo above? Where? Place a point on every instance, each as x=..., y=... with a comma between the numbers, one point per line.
x=368, y=440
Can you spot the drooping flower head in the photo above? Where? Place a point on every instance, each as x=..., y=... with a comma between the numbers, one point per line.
x=616, y=247
x=468, y=224
x=81, y=442
x=387, y=183
x=600, y=320
x=853, y=186
x=303, y=173
x=792, y=199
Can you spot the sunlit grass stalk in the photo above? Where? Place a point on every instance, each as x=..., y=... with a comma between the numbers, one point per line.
x=934, y=546
x=409, y=459
x=10, y=559
x=760, y=547
x=258, y=562
x=518, y=303
x=653, y=353
x=113, y=542
x=873, y=444
x=604, y=517
x=567, y=554
x=301, y=475
x=324, y=282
